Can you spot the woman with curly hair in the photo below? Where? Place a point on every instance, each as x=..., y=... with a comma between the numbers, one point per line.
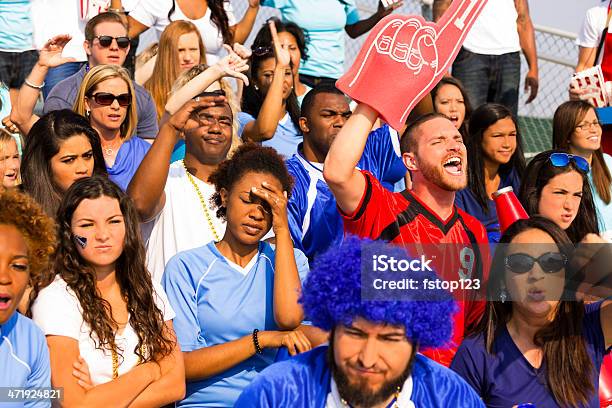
x=214, y=19
x=100, y=304
x=237, y=299
x=27, y=240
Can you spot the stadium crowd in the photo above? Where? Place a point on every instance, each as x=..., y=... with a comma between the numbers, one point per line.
x=186, y=226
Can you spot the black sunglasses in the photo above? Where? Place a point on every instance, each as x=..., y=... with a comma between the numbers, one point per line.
x=107, y=40
x=550, y=262
x=107, y=99
x=261, y=51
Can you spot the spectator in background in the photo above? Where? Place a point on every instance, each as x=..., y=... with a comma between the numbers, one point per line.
x=270, y=112
x=106, y=42
x=180, y=48
x=594, y=42
x=450, y=99
x=314, y=220
x=17, y=52
x=292, y=38
x=556, y=186
x=214, y=18
x=226, y=289
x=489, y=63
x=325, y=22
x=496, y=160
x=98, y=306
x=577, y=130
x=61, y=148
x=10, y=160
x=27, y=240
x=536, y=342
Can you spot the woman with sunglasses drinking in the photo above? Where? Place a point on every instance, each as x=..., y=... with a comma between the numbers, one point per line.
x=556, y=186
x=577, y=130
x=270, y=112
x=536, y=343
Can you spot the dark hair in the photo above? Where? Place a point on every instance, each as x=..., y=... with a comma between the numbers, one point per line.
x=408, y=142
x=562, y=341
x=312, y=94
x=248, y=158
x=107, y=16
x=567, y=116
x=43, y=142
x=253, y=98
x=463, y=129
x=537, y=175
x=131, y=273
x=482, y=118
x=264, y=37
x=217, y=15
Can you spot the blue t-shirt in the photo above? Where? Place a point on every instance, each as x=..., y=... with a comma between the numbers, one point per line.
x=505, y=378
x=466, y=200
x=604, y=211
x=24, y=359
x=128, y=159
x=63, y=95
x=286, y=138
x=17, y=33
x=323, y=22
x=217, y=301
x=314, y=221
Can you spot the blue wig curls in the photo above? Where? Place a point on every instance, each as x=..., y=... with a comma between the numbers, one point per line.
x=331, y=295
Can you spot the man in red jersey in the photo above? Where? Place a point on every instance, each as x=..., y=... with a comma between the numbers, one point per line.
x=433, y=150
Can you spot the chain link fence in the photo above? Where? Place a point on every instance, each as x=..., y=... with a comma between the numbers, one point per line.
x=557, y=56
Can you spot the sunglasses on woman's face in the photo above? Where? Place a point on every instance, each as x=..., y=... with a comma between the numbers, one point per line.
x=107, y=40
x=107, y=99
x=550, y=262
x=564, y=159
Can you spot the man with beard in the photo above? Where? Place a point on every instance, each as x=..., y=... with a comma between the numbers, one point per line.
x=174, y=200
x=433, y=150
x=313, y=218
x=372, y=358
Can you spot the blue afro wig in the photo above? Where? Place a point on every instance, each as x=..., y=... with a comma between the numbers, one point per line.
x=331, y=296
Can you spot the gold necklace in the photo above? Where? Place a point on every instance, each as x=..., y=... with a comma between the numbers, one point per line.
x=202, y=202
x=110, y=151
x=115, y=358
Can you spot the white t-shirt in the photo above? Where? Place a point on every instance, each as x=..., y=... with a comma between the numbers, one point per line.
x=57, y=311
x=495, y=31
x=593, y=26
x=182, y=224
x=154, y=13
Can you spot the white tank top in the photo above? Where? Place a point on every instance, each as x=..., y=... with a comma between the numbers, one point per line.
x=495, y=31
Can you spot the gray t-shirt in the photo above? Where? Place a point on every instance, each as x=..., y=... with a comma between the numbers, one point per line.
x=63, y=95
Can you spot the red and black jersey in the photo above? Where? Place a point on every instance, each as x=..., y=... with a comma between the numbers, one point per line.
x=401, y=218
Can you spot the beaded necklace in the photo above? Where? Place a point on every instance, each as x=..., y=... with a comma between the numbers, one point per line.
x=115, y=358
x=202, y=202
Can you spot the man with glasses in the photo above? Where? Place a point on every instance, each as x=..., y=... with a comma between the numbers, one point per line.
x=106, y=42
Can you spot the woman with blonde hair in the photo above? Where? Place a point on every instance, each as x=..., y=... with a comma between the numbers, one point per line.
x=10, y=160
x=180, y=48
x=106, y=98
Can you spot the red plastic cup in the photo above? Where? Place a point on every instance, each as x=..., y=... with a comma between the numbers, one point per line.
x=509, y=208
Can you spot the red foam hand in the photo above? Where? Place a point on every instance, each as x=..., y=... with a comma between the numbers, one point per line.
x=605, y=382
x=404, y=57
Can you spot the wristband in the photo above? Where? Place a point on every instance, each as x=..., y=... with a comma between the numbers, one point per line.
x=258, y=349
x=116, y=10
x=31, y=85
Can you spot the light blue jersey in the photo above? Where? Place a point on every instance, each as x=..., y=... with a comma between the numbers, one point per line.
x=286, y=138
x=217, y=301
x=17, y=33
x=323, y=22
x=24, y=359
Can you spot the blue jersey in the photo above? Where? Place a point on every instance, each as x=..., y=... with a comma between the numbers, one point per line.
x=24, y=358
x=314, y=220
x=217, y=301
x=305, y=381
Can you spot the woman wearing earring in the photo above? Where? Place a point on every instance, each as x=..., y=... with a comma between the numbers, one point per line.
x=577, y=130
x=536, y=342
x=270, y=112
x=99, y=304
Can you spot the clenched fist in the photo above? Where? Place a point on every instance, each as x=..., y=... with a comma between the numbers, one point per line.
x=404, y=57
